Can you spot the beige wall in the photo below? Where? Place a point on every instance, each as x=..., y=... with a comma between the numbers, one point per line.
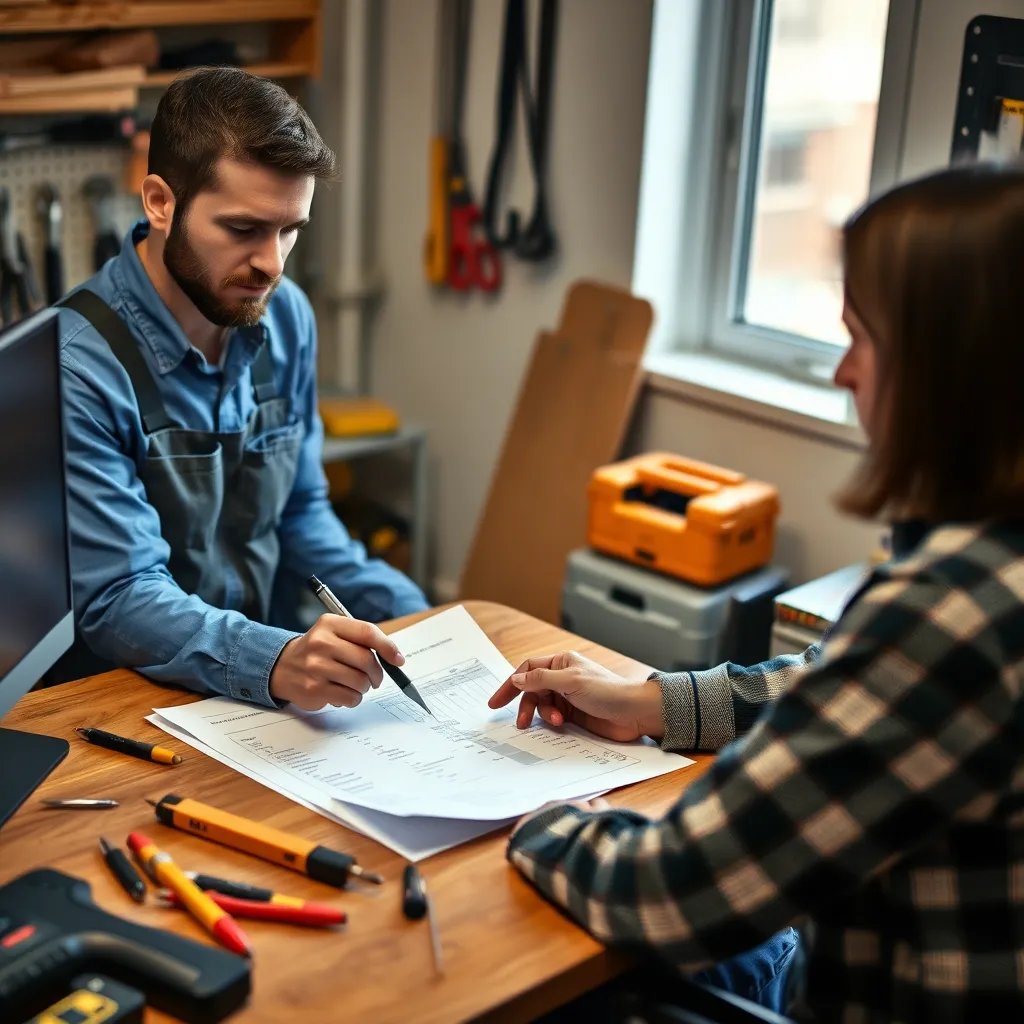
x=453, y=363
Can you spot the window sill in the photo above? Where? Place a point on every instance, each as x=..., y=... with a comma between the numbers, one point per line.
x=756, y=394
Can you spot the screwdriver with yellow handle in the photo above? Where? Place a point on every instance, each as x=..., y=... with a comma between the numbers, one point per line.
x=219, y=923
x=438, y=242
x=435, y=250
x=308, y=858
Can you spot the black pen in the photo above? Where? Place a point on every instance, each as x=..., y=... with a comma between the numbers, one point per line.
x=136, y=748
x=333, y=605
x=123, y=871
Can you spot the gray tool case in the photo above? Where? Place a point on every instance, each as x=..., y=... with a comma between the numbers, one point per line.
x=664, y=622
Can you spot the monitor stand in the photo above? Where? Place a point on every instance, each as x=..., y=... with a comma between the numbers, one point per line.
x=25, y=760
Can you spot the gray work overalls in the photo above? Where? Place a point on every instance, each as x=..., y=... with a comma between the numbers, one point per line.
x=219, y=495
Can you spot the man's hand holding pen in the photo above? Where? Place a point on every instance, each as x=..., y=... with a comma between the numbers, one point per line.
x=333, y=663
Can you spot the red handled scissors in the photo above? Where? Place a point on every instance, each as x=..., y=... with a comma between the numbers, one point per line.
x=472, y=261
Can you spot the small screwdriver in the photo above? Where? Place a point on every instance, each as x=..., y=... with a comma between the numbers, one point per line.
x=123, y=871
x=416, y=904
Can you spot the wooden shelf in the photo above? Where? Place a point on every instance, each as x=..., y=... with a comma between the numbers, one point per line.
x=86, y=16
x=34, y=82
x=279, y=69
x=86, y=101
x=64, y=98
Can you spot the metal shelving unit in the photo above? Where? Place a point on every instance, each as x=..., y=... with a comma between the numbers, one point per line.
x=408, y=438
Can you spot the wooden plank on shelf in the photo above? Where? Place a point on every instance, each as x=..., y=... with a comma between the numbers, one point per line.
x=272, y=69
x=84, y=101
x=43, y=81
x=60, y=17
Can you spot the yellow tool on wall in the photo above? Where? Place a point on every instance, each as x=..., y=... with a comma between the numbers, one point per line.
x=435, y=249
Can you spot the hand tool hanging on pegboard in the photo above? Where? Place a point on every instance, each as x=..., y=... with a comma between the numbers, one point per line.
x=51, y=213
x=469, y=260
x=99, y=190
x=19, y=291
x=536, y=241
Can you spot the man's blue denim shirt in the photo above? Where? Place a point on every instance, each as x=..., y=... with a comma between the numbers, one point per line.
x=128, y=607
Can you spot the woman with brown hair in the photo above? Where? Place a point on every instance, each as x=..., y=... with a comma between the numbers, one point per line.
x=877, y=788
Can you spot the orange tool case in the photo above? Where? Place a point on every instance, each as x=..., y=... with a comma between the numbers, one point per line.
x=685, y=518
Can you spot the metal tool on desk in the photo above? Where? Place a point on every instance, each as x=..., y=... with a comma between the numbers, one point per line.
x=332, y=604
x=472, y=261
x=51, y=211
x=81, y=803
x=17, y=280
x=99, y=190
x=417, y=904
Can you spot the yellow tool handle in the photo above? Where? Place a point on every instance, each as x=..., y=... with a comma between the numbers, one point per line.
x=196, y=901
x=238, y=833
x=435, y=254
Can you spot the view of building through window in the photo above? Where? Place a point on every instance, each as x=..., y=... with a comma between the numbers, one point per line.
x=818, y=131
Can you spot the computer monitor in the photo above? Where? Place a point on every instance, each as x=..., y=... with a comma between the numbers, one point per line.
x=36, y=621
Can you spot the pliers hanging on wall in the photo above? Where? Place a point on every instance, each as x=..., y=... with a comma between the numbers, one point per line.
x=19, y=290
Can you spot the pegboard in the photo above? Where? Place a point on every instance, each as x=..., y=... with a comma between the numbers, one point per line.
x=67, y=168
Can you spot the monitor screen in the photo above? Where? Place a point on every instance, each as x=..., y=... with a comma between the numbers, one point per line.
x=35, y=576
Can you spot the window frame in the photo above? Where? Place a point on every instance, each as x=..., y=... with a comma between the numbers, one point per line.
x=736, y=37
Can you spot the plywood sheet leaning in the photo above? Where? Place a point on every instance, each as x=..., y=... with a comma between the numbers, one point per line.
x=573, y=409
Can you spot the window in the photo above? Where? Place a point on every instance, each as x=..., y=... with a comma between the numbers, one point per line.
x=785, y=159
x=822, y=92
x=794, y=115
x=797, y=19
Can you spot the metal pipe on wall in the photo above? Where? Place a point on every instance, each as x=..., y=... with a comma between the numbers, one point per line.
x=356, y=285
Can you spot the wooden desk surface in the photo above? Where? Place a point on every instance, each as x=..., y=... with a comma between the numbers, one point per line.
x=509, y=955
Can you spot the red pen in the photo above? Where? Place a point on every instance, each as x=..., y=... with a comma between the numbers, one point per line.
x=314, y=915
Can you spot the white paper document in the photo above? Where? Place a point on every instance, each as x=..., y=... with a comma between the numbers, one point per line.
x=411, y=838
x=387, y=757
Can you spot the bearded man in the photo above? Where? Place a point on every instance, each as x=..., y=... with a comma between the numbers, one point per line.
x=197, y=499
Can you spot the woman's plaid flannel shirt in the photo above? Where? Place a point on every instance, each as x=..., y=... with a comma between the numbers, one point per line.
x=881, y=796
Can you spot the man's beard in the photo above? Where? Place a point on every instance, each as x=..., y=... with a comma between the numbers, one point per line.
x=185, y=266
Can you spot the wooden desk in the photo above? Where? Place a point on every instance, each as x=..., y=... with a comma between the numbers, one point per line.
x=509, y=955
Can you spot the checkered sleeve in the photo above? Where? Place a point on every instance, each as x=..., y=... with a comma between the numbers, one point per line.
x=905, y=725
x=706, y=710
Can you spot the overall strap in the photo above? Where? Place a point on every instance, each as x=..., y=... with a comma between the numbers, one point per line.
x=264, y=387
x=124, y=346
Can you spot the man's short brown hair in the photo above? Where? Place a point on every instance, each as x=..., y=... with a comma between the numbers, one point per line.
x=212, y=113
x=935, y=271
